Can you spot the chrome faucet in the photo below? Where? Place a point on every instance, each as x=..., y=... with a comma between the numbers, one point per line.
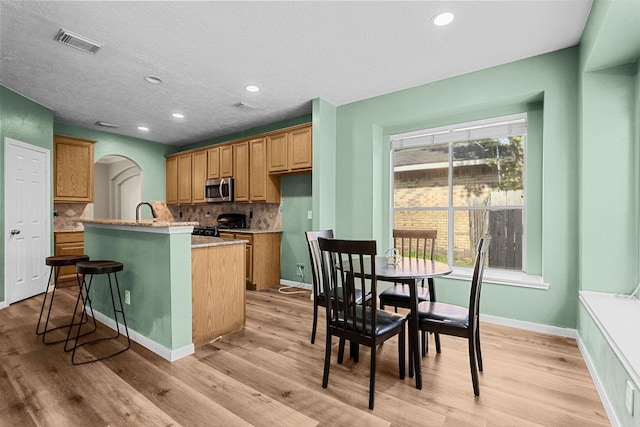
x=153, y=212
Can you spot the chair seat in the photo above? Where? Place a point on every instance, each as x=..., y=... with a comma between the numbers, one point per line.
x=385, y=321
x=439, y=312
x=398, y=295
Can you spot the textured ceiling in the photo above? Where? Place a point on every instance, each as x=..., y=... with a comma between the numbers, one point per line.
x=206, y=53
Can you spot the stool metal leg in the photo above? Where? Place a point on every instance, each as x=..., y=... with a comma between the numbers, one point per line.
x=83, y=296
x=115, y=315
x=46, y=329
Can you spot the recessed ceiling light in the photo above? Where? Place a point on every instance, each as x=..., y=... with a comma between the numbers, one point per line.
x=442, y=19
x=152, y=79
x=146, y=129
x=252, y=88
x=178, y=115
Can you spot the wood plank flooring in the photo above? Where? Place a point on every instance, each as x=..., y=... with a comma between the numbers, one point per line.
x=269, y=374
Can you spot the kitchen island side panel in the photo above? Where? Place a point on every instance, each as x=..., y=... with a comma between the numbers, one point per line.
x=157, y=273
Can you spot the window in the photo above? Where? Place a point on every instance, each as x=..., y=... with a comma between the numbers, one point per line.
x=465, y=181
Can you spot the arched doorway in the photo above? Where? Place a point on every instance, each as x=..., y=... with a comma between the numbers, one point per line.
x=117, y=187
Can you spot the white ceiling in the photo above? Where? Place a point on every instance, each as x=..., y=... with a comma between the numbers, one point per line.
x=207, y=52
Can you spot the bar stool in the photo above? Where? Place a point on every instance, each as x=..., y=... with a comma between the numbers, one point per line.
x=56, y=262
x=91, y=268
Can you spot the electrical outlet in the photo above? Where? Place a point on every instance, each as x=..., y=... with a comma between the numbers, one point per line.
x=127, y=297
x=309, y=214
x=300, y=268
x=629, y=397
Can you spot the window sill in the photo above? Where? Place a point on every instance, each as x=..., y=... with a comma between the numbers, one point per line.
x=501, y=277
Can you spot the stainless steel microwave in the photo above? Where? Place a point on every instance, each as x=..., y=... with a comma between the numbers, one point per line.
x=219, y=190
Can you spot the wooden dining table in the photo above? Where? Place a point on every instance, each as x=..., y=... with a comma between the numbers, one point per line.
x=409, y=271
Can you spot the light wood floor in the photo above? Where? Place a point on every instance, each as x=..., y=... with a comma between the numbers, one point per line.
x=270, y=375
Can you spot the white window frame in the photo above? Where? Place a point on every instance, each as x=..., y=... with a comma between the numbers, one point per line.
x=514, y=124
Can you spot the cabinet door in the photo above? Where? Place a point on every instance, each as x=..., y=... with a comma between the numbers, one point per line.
x=184, y=179
x=226, y=161
x=278, y=158
x=68, y=244
x=241, y=169
x=300, y=149
x=249, y=264
x=213, y=163
x=258, y=170
x=73, y=169
x=198, y=176
x=171, y=174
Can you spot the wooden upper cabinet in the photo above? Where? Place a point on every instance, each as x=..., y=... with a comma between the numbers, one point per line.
x=290, y=152
x=184, y=179
x=213, y=163
x=263, y=188
x=73, y=169
x=278, y=157
x=226, y=161
x=241, y=169
x=300, y=149
x=171, y=175
x=198, y=176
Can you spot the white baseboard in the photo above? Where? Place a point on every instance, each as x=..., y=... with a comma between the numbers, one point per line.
x=613, y=419
x=160, y=350
x=293, y=284
x=530, y=326
x=3, y=304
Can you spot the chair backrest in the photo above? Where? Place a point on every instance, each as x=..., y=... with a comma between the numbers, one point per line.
x=415, y=243
x=314, y=256
x=476, y=281
x=343, y=264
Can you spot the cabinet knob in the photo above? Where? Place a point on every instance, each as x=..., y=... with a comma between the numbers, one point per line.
x=15, y=232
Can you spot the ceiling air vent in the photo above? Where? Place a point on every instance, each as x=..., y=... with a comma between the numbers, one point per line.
x=77, y=41
x=107, y=125
x=244, y=106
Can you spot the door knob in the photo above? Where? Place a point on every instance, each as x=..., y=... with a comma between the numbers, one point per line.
x=15, y=232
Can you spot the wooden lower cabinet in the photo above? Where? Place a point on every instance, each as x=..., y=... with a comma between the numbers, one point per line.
x=68, y=243
x=262, y=269
x=217, y=291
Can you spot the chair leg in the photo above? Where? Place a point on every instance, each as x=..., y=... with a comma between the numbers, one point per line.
x=473, y=366
x=327, y=361
x=354, y=351
x=372, y=377
x=315, y=322
x=425, y=343
x=341, y=351
x=478, y=351
x=436, y=337
x=401, y=353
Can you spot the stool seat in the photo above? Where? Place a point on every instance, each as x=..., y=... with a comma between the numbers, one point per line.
x=64, y=260
x=98, y=267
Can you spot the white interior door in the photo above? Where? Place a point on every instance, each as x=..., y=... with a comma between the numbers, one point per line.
x=27, y=219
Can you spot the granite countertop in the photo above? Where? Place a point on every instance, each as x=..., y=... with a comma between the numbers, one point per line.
x=206, y=241
x=248, y=231
x=141, y=223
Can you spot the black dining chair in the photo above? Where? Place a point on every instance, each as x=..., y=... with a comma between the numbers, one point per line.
x=316, y=276
x=459, y=321
x=412, y=244
x=345, y=263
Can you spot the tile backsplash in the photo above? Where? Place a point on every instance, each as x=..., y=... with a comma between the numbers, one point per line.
x=260, y=216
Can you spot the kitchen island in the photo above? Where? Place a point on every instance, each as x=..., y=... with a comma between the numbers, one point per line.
x=157, y=277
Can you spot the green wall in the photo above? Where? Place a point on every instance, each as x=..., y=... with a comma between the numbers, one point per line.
x=157, y=272
x=29, y=122
x=609, y=178
x=362, y=184
x=296, y=202
x=150, y=156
